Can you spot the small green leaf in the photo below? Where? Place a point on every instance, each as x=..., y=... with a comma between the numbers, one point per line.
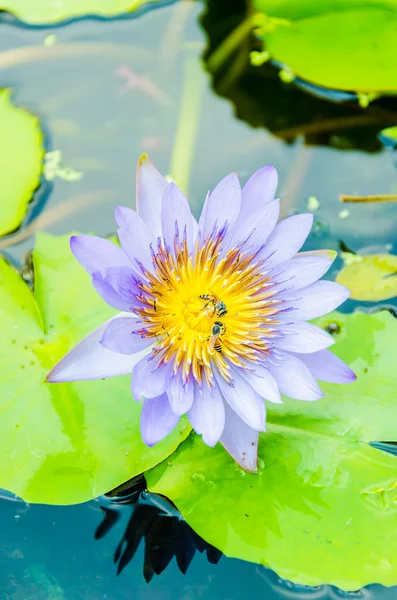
x=51, y=11
x=323, y=506
x=21, y=155
x=62, y=443
x=347, y=45
x=369, y=278
x=389, y=135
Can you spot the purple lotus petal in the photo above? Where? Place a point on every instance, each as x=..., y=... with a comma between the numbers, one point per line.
x=303, y=338
x=176, y=209
x=90, y=360
x=97, y=254
x=222, y=205
x=324, y=365
x=135, y=236
x=180, y=397
x=240, y=441
x=207, y=415
x=263, y=383
x=220, y=309
x=150, y=187
x=316, y=300
x=243, y=399
x=157, y=420
x=147, y=380
x=117, y=287
x=259, y=189
x=257, y=226
x=121, y=336
x=323, y=253
x=294, y=378
x=300, y=272
x=287, y=238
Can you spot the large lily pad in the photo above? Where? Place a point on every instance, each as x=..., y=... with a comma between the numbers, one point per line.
x=323, y=508
x=62, y=443
x=345, y=45
x=369, y=278
x=262, y=99
x=21, y=155
x=53, y=11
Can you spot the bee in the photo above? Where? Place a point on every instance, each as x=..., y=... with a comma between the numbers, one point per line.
x=218, y=329
x=217, y=304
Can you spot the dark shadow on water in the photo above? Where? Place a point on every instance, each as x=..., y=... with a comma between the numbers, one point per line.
x=155, y=522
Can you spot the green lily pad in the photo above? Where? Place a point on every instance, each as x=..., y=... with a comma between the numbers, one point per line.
x=323, y=508
x=262, y=99
x=53, y=11
x=21, y=155
x=389, y=136
x=62, y=443
x=345, y=45
x=369, y=278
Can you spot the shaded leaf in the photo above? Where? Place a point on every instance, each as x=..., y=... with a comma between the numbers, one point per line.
x=346, y=45
x=62, y=443
x=323, y=507
x=288, y=110
x=21, y=155
x=369, y=278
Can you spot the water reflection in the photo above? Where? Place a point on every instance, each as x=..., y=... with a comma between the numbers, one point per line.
x=49, y=553
x=155, y=522
x=324, y=117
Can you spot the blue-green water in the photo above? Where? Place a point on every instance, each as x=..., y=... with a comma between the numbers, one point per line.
x=105, y=93
x=50, y=553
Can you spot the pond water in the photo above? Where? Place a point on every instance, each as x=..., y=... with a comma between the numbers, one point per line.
x=105, y=92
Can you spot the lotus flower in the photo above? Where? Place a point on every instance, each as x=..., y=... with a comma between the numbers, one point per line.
x=213, y=314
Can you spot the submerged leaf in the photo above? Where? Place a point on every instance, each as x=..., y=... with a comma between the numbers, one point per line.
x=62, y=443
x=341, y=45
x=369, y=278
x=51, y=11
x=21, y=154
x=323, y=506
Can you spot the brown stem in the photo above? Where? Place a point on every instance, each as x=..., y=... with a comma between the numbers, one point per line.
x=373, y=198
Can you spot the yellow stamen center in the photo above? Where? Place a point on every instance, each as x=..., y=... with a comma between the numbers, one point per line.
x=192, y=333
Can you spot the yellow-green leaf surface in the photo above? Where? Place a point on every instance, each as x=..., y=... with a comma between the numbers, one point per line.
x=349, y=45
x=370, y=278
x=389, y=136
x=21, y=155
x=323, y=507
x=62, y=443
x=54, y=11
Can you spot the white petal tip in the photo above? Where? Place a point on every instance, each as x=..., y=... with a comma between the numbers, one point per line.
x=248, y=466
x=54, y=376
x=348, y=376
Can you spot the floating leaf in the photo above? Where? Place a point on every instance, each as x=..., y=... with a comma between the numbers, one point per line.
x=323, y=507
x=53, y=11
x=62, y=443
x=21, y=154
x=322, y=116
x=389, y=136
x=345, y=45
x=369, y=278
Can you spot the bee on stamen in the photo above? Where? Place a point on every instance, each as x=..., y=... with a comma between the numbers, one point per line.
x=218, y=306
x=215, y=341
